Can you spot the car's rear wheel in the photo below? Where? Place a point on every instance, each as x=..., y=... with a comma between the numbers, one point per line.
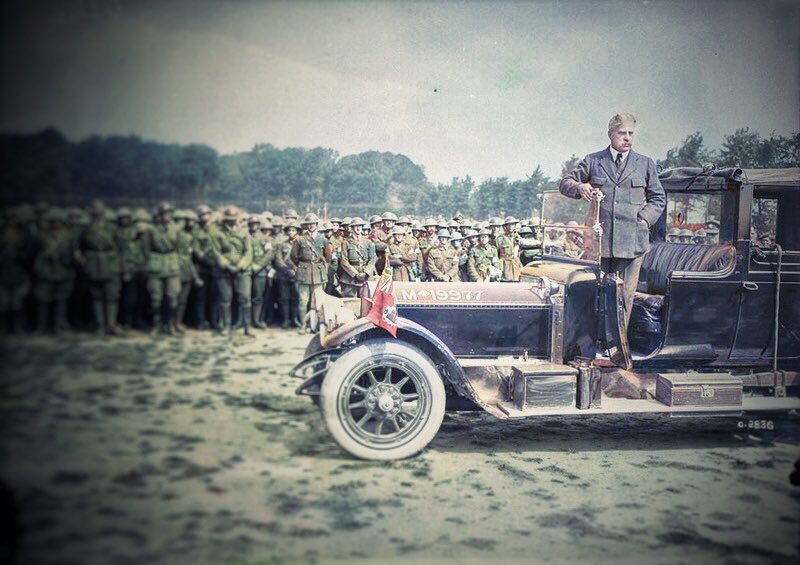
x=383, y=400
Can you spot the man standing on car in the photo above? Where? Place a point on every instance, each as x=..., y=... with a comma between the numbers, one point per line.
x=632, y=201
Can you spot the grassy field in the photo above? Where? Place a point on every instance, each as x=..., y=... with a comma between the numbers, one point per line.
x=196, y=450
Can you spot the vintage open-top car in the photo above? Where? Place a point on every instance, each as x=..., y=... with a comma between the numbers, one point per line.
x=715, y=326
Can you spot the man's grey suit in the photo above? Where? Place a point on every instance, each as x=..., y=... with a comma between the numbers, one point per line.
x=634, y=200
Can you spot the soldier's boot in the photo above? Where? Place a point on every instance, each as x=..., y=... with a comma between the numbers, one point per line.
x=239, y=321
x=245, y=313
x=225, y=319
x=60, y=323
x=156, y=329
x=111, y=316
x=169, y=321
x=287, y=321
x=257, y=323
x=99, y=317
x=296, y=318
x=177, y=323
x=41, y=317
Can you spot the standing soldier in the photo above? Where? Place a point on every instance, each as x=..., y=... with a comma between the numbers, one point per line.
x=334, y=253
x=457, y=241
x=401, y=255
x=160, y=247
x=441, y=262
x=287, y=275
x=483, y=260
x=507, y=244
x=98, y=254
x=357, y=262
x=262, y=265
x=205, y=255
x=308, y=253
x=54, y=272
x=128, y=238
x=234, y=261
x=189, y=276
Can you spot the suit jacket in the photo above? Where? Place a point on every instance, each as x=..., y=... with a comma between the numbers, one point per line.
x=633, y=203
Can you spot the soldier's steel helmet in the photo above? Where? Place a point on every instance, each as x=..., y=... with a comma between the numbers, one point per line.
x=253, y=219
x=375, y=219
x=456, y=236
x=495, y=221
x=293, y=223
x=96, y=210
x=265, y=225
x=203, y=209
x=278, y=222
x=404, y=221
x=55, y=215
x=165, y=207
x=430, y=222
x=674, y=231
x=267, y=215
x=510, y=220
x=484, y=231
x=700, y=233
x=230, y=213
x=291, y=214
x=525, y=230
x=398, y=230
x=443, y=233
x=179, y=215
x=191, y=216
x=124, y=212
x=335, y=220
x=142, y=215
x=389, y=216
x=416, y=226
x=326, y=226
x=471, y=233
x=685, y=232
x=453, y=225
x=345, y=223
x=356, y=222
x=310, y=218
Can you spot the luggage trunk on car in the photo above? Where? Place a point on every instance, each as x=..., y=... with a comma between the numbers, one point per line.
x=699, y=389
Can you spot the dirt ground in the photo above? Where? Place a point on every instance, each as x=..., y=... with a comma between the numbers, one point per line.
x=196, y=450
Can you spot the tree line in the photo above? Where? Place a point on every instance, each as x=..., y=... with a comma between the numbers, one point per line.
x=126, y=170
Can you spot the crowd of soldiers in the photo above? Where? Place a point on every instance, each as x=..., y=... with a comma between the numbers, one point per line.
x=163, y=271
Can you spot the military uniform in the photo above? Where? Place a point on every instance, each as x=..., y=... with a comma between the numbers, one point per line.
x=162, y=267
x=55, y=276
x=132, y=265
x=15, y=280
x=207, y=296
x=263, y=256
x=357, y=265
x=188, y=272
x=402, y=258
x=333, y=253
x=508, y=253
x=286, y=275
x=308, y=253
x=234, y=261
x=481, y=257
x=98, y=254
x=442, y=263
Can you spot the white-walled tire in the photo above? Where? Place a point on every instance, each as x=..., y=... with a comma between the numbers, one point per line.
x=383, y=400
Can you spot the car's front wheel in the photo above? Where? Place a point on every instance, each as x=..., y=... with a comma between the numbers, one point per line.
x=383, y=400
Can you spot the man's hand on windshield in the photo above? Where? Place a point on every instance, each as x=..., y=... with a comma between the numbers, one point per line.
x=587, y=191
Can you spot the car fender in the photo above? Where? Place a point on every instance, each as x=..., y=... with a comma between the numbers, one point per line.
x=412, y=332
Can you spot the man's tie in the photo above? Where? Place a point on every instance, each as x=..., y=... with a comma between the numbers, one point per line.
x=618, y=162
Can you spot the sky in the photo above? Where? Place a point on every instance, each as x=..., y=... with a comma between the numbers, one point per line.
x=488, y=89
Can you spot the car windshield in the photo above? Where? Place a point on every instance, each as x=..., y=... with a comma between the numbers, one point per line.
x=569, y=228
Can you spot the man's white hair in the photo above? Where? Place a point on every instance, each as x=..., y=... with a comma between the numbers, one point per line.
x=618, y=119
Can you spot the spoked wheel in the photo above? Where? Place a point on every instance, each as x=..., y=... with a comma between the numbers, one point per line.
x=383, y=400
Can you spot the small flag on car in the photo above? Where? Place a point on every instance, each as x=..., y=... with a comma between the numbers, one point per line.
x=383, y=312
